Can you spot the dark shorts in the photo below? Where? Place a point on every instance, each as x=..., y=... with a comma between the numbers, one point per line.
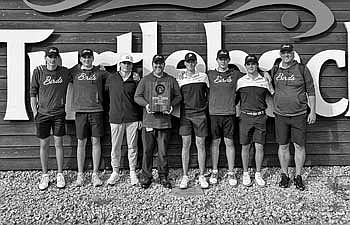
x=198, y=123
x=222, y=126
x=44, y=123
x=290, y=128
x=87, y=124
x=252, y=129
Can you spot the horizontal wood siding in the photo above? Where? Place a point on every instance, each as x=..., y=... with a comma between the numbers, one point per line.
x=256, y=31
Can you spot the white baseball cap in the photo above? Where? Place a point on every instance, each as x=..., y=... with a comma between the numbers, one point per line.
x=126, y=58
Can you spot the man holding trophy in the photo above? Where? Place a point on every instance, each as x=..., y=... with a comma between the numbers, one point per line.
x=158, y=93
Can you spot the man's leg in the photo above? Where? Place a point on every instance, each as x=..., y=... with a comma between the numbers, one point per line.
x=200, y=143
x=214, y=147
x=148, y=144
x=284, y=156
x=59, y=153
x=299, y=158
x=185, y=154
x=131, y=139
x=245, y=157
x=230, y=153
x=259, y=156
x=81, y=154
x=96, y=153
x=44, y=153
x=117, y=134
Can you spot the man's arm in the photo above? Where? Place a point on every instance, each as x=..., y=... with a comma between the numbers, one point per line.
x=139, y=96
x=310, y=90
x=34, y=91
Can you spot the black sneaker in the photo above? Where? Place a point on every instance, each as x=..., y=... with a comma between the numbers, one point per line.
x=145, y=182
x=284, y=183
x=165, y=182
x=298, y=181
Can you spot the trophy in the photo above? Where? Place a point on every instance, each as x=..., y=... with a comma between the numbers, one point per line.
x=160, y=97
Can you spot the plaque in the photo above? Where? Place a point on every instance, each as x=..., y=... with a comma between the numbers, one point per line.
x=160, y=97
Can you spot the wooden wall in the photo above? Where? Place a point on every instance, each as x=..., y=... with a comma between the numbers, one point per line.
x=255, y=31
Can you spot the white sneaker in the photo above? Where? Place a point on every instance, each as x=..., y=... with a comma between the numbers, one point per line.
x=95, y=180
x=246, y=179
x=184, y=182
x=203, y=182
x=259, y=180
x=133, y=178
x=60, y=180
x=232, y=180
x=44, y=181
x=112, y=180
x=214, y=177
x=80, y=180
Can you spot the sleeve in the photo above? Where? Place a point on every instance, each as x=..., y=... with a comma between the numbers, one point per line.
x=34, y=84
x=176, y=96
x=309, y=82
x=140, y=94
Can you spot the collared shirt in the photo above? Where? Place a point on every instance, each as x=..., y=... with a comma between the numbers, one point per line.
x=252, y=92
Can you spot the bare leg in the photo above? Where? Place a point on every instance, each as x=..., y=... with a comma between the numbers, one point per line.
x=259, y=156
x=284, y=156
x=299, y=158
x=200, y=143
x=96, y=153
x=215, y=152
x=81, y=154
x=245, y=157
x=186, y=144
x=59, y=153
x=230, y=153
x=44, y=153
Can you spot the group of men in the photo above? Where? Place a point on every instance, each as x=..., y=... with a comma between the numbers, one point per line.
x=207, y=105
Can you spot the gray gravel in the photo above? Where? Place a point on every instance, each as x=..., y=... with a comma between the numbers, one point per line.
x=323, y=202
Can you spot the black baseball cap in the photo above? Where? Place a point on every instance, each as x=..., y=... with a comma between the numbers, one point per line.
x=251, y=59
x=158, y=59
x=190, y=56
x=52, y=51
x=223, y=54
x=286, y=48
x=86, y=52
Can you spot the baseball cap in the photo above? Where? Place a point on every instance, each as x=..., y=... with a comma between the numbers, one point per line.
x=251, y=58
x=286, y=48
x=158, y=59
x=126, y=58
x=223, y=53
x=86, y=52
x=52, y=51
x=190, y=56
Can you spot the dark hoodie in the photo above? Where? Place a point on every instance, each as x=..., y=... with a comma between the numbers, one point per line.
x=291, y=86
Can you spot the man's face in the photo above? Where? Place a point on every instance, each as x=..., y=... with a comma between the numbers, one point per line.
x=287, y=56
x=223, y=63
x=190, y=64
x=158, y=67
x=251, y=67
x=51, y=60
x=125, y=67
x=87, y=60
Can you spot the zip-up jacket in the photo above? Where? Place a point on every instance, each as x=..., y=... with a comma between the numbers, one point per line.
x=50, y=87
x=88, y=89
x=143, y=97
x=122, y=107
x=291, y=87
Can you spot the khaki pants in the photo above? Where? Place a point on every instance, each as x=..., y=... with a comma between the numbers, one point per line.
x=117, y=135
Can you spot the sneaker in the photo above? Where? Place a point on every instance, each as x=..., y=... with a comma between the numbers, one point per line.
x=184, y=182
x=165, y=182
x=246, y=179
x=232, y=180
x=133, y=178
x=95, y=180
x=284, y=183
x=214, y=177
x=80, y=180
x=298, y=181
x=60, y=180
x=203, y=182
x=113, y=178
x=259, y=180
x=44, y=182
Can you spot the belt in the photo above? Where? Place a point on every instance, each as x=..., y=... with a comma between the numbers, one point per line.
x=254, y=113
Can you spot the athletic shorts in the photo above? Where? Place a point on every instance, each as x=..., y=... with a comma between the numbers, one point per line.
x=87, y=124
x=290, y=129
x=198, y=123
x=252, y=129
x=44, y=123
x=222, y=126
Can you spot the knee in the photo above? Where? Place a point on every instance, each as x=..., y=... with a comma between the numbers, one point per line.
x=228, y=142
x=284, y=147
x=299, y=148
x=95, y=141
x=216, y=142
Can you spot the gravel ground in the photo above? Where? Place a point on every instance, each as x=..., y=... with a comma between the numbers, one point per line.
x=325, y=201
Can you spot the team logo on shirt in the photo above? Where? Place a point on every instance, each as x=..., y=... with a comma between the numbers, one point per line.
x=282, y=76
x=49, y=80
x=84, y=76
x=221, y=79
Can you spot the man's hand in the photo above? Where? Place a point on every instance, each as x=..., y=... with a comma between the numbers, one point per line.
x=148, y=109
x=170, y=110
x=311, y=119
